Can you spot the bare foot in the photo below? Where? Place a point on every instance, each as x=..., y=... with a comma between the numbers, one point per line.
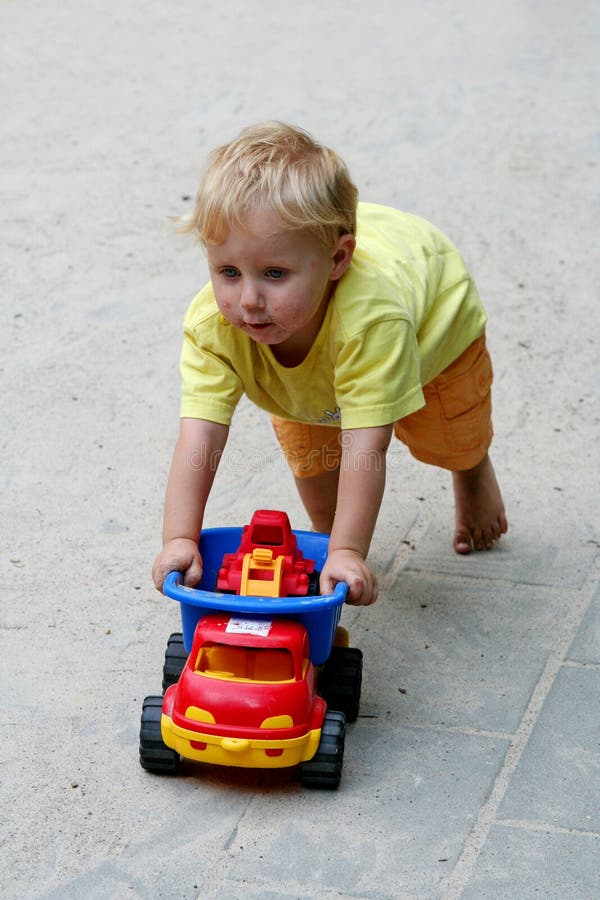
x=480, y=516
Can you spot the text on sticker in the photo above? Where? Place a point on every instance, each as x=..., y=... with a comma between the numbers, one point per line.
x=261, y=627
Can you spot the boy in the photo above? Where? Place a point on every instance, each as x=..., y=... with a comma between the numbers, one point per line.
x=345, y=335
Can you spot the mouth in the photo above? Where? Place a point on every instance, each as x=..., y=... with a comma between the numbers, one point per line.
x=257, y=326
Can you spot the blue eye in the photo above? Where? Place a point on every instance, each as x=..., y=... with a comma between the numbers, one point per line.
x=229, y=272
x=275, y=273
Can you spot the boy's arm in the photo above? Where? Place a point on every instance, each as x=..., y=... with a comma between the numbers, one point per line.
x=195, y=461
x=360, y=491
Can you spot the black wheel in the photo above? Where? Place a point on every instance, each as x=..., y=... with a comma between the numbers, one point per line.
x=324, y=770
x=155, y=756
x=340, y=681
x=175, y=659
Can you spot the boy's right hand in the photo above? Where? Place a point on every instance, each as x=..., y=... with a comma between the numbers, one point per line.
x=178, y=555
x=349, y=566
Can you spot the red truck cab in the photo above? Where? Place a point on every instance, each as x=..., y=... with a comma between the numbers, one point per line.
x=246, y=696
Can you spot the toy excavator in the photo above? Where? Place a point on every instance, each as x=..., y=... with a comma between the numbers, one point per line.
x=268, y=562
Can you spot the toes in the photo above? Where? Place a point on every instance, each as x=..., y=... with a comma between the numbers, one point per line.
x=462, y=541
x=495, y=531
x=483, y=538
x=489, y=538
x=462, y=547
x=468, y=539
x=480, y=541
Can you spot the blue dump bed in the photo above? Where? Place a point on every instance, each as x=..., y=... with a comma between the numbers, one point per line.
x=319, y=614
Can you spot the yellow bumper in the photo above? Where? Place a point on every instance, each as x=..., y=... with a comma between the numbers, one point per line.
x=227, y=751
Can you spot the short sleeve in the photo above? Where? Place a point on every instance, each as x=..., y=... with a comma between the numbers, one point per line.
x=211, y=388
x=377, y=375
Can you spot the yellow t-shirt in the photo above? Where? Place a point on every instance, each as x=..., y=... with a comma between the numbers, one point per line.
x=404, y=310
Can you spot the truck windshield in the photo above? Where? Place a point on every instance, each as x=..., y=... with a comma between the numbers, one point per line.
x=247, y=663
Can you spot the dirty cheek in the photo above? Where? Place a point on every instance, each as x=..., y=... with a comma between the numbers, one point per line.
x=225, y=307
x=227, y=312
x=288, y=313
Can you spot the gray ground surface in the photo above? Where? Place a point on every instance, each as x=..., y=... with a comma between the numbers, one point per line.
x=474, y=769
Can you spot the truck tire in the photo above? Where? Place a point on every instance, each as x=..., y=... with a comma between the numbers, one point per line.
x=324, y=770
x=175, y=659
x=340, y=681
x=155, y=756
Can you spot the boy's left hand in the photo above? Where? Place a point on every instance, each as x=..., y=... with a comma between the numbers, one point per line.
x=349, y=566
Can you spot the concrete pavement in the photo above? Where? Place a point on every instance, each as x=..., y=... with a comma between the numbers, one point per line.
x=474, y=768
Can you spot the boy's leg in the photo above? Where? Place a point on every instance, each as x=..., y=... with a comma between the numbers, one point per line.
x=454, y=431
x=313, y=454
x=319, y=496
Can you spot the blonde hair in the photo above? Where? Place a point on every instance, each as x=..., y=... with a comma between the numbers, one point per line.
x=280, y=168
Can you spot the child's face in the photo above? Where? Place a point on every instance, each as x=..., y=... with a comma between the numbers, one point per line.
x=273, y=282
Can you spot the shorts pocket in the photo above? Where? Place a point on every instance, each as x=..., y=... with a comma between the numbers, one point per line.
x=465, y=390
x=466, y=405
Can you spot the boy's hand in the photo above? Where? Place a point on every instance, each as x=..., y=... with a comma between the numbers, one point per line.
x=349, y=566
x=178, y=555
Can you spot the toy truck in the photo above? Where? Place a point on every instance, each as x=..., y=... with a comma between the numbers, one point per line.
x=256, y=680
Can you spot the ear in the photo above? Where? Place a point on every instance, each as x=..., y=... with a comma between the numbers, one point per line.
x=342, y=255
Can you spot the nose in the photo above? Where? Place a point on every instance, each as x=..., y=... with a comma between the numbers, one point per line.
x=251, y=296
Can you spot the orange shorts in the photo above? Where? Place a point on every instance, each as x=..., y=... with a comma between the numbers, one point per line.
x=453, y=430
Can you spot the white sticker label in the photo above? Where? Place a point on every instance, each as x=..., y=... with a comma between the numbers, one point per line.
x=261, y=627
